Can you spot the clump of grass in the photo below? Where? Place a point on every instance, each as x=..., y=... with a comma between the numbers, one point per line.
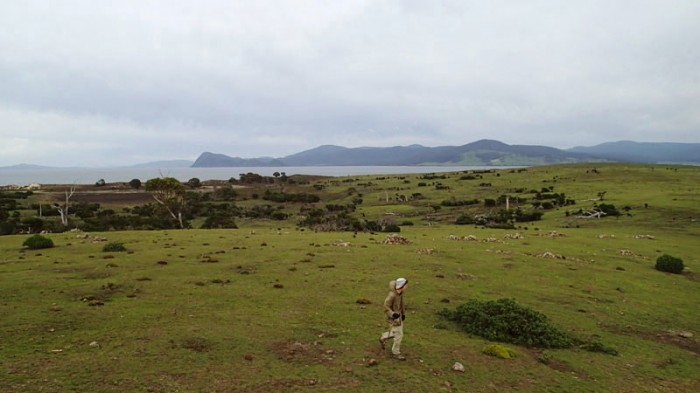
x=506, y=321
x=114, y=247
x=38, y=242
x=598, y=347
x=499, y=351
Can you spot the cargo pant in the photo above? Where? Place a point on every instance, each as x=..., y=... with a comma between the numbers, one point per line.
x=395, y=332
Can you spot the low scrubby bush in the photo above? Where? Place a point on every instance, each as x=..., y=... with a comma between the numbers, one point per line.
x=670, y=264
x=38, y=242
x=392, y=228
x=464, y=219
x=114, y=247
x=506, y=321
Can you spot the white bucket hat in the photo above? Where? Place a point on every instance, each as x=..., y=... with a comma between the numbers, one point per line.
x=400, y=282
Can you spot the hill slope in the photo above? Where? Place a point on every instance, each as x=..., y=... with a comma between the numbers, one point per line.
x=645, y=152
x=207, y=160
x=483, y=152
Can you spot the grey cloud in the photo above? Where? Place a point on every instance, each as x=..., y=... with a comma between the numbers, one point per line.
x=173, y=79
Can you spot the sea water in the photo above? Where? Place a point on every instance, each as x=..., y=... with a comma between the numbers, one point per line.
x=23, y=177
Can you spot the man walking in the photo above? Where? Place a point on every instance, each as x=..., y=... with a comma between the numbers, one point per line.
x=395, y=315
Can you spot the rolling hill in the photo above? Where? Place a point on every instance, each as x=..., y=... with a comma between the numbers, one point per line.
x=483, y=152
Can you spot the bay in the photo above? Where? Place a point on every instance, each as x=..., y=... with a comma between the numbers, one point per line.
x=23, y=177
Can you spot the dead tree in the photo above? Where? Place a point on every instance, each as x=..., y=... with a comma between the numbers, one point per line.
x=591, y=214
x=63, y=209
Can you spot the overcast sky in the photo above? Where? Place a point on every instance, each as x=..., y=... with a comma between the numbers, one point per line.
x=86, y=83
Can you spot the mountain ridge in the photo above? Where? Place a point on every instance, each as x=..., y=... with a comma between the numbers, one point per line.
x=645, y=152
x=482, y=152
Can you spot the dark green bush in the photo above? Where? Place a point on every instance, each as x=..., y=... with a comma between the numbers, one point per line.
x=392, y=228
x=670, y=264
x=114, y=247
x=464, y=220
x=609, y=210
x=38, y=242
x=219, y=221
x=505, y=321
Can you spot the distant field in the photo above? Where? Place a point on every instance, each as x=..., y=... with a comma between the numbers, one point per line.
x=274, y=307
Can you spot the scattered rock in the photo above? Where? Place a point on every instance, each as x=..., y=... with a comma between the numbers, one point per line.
x=514, y=236
x=95, y=344
x=426, y=251
x=605, y=236
x=650, y=237
x=464, y=276
x=458, y=367
x=395, y=239
x=372, y=362
x=682, y=333
x=629, y=253
x=550, y=255
x=554, y=234
x=468, y=238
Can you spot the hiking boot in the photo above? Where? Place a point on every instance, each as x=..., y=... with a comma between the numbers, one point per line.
x=399, y=357
x=382, y=342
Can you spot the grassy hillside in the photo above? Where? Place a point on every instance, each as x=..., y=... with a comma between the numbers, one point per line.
x=274, y=307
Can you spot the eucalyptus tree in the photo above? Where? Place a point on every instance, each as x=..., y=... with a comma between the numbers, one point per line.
x=170, y=193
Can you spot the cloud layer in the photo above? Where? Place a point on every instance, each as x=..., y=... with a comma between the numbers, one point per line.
x=114, y=83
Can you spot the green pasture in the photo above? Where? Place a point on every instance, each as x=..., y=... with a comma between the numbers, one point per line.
x=273, y=307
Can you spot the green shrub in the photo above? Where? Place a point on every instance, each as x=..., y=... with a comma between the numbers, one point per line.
x=114, y=247
x=667, y=263
x=38, y=242
x=464, y=220
x=392, y=228
x=505, y=321
x=219, y=221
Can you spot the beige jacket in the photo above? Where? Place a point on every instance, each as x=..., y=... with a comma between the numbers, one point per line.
x=394, y=304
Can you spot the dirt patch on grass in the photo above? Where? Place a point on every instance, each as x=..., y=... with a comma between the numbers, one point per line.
x=672, y=338
x=304, y=352
x=196, y=344
x=556, y=364
x=669, y=337
x=564, y=367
